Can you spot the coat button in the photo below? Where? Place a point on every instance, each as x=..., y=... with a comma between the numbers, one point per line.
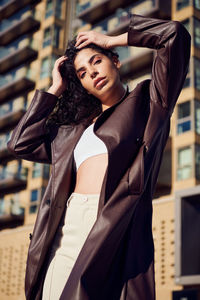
x=48, y=201
x=30, y=236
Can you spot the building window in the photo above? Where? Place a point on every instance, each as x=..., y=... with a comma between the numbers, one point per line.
x=197, y=4
x=47, y=37
x=49, y=9
x=36, y=172
x=197, y=161
x=34, y=195
x=184, y=117
x=184, y=170
x=196, y=32
x=34, y=201
x=197, y=73
x=197, y=116
x=56, y=36
x=186, y=23
x=46, y=171
x=2, y=208
x=58, y=9
x=45, y=68
x=53, y=8
x=182, y=3
x=187, y=81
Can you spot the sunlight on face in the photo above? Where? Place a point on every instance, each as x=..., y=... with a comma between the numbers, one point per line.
x=96, y=72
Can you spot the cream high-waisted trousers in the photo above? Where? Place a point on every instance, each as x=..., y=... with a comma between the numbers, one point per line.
x=78, y=220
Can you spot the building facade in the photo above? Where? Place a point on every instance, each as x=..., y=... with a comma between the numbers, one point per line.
x=32, y=35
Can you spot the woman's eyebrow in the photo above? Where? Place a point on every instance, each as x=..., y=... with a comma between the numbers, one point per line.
x=90, y=62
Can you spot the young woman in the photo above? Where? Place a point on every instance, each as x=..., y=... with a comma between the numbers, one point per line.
x=92, y=238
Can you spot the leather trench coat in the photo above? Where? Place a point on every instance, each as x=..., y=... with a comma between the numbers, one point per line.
x=117, y=259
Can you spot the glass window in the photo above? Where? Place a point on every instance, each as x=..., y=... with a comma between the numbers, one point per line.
x=184, y=117
x=47, y=37
x=53, y=59
x=182, y=3
x=34, y=195
x=58, y=12
x=186, y=23
x=15, y=207
x=197, y=4
x=56, y=36
x=196, y=32
x=184, y=169
x=197, y=73
x=197, y=161
x=197, y=116
x=46, y=171
x=2, y=206
x=45, y=68
x=36, y=170
x=33, y=209
x=187, y=79
x=49, y=9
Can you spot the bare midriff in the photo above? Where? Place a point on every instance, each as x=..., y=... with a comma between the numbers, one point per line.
x=90, y=174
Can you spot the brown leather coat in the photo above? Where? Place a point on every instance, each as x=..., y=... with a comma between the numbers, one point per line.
x=117, y=259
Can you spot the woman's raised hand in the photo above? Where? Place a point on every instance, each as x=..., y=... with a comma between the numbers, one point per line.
x=87, y=37
x=59, y=84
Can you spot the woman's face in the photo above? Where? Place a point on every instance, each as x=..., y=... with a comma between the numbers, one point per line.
x=97, y=73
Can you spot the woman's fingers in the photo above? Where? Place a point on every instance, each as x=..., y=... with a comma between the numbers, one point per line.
x=80, y=39
x=83, y=41
x=60, y=60
x=88, y=37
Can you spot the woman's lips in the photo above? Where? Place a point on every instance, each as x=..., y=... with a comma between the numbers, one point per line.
x=101, y=83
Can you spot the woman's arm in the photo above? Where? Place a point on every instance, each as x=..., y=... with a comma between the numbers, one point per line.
x=29, y=139
x=170, y=65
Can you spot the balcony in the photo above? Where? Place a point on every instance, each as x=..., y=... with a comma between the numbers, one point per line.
x=11, y=213
x=11, y=221
x=92, y=13
x=16, y=57
x=123, y=23
x=104, y=8
x=16, y=82
x=141, y=59
x=8, y=8
x=11, y=119
x=5, y=154
x=11, y=182
x=17, y=28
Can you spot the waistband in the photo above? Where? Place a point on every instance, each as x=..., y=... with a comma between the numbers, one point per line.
x=77, y=198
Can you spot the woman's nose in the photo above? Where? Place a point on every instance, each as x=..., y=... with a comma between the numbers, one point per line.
x=93, y=74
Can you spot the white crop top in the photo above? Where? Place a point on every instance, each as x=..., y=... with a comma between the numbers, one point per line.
x=88, y=145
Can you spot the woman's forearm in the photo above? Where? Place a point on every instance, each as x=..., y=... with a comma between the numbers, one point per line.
x=119, y=40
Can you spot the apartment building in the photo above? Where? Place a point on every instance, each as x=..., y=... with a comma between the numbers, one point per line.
x=33, y=34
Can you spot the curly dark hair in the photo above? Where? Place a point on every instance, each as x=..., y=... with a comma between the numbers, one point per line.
x=75, y=105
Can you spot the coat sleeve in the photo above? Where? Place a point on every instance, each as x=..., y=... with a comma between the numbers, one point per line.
x=171, y=41
x=29, y=139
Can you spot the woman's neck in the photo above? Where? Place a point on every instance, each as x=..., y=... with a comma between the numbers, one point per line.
x=113, y=97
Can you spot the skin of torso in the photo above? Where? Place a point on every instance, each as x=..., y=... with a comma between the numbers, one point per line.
x=90, y=174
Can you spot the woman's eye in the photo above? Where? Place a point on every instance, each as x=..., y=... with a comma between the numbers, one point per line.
x=97, y=61
x=82, y=75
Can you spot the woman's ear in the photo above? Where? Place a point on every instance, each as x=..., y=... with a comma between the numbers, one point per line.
x=116, y=62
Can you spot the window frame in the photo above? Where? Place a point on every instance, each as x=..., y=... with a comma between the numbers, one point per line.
x=192, y=162
x=184, y=119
